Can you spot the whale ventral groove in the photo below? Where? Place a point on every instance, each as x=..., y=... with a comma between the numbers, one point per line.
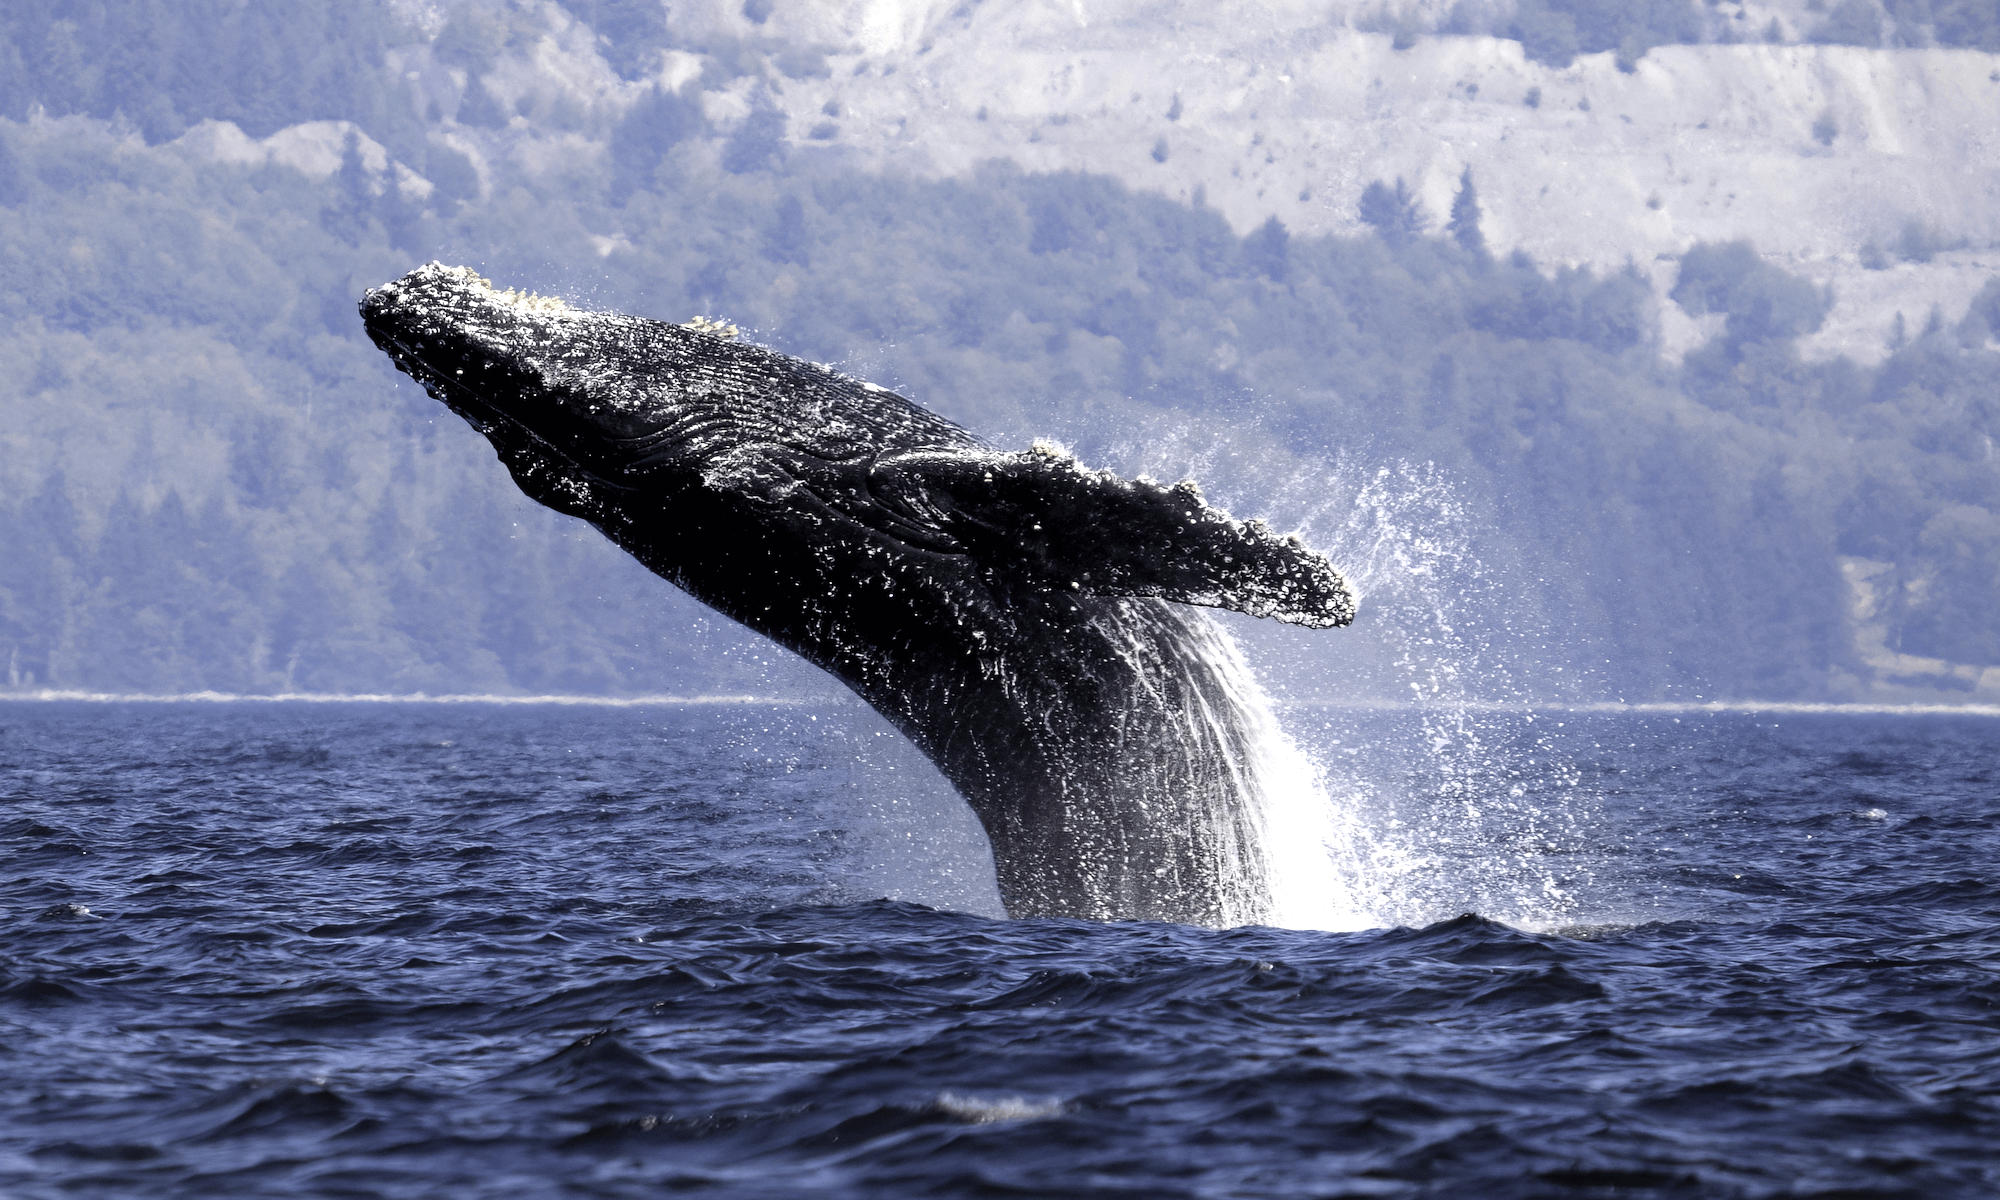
x=1014, y=614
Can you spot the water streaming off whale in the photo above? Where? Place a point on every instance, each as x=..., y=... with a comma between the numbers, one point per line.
x=1471, y=800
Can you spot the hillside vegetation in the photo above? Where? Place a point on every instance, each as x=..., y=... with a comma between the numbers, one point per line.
x=213, y=481
x=1556, y=31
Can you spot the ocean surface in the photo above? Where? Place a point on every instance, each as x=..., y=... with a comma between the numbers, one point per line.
x=424, y=950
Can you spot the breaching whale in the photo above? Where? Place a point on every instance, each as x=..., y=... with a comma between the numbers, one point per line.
x=1012, y=613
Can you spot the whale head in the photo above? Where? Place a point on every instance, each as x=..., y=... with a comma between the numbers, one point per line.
x=528, y=371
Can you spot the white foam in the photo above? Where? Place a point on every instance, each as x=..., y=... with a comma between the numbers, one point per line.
x=982, y=1110
x=520, y=299
x=1315, y=873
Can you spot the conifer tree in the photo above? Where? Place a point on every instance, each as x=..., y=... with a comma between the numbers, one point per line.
x=1267, y=249
x=1464, y=223
x=1395, y=213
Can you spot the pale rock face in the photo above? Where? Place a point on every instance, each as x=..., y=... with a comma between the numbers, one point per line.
x=313, y=149
x=1290, y=110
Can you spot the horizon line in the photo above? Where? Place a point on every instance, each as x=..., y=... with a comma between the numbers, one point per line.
x=54, y=695
x=1787, y=707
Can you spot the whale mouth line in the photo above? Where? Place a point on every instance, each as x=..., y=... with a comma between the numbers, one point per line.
x=456, y=378
x=552, y=454
x=489, y=418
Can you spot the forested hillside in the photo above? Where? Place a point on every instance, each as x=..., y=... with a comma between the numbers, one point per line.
x=211, y=480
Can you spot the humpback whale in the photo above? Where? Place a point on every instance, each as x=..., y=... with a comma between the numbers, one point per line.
x=1018, y=616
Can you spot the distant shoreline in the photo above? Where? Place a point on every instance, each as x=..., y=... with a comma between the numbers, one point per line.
x=1698, y=708
x=206, y=697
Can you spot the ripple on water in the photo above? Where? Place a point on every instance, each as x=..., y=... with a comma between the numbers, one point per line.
x=667, y=965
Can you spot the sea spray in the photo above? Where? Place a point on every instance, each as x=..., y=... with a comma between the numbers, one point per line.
x=1449, y=807
x=1430, y=787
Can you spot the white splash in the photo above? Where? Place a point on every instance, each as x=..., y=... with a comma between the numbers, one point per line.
x=1399, y=809
x=1438, y=805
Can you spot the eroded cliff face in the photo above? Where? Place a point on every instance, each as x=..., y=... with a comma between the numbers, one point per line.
x=1873, y=171
x=1876, y=171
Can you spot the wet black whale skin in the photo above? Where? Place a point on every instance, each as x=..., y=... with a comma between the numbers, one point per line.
x=1008, y=612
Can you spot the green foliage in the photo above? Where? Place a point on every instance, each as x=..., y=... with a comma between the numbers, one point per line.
x=1959, y=547
x=220, y=484
x=1546, y=35
x=1556, y=31
x=226, y=490
x=13, y=177
x=1268, y=250
x=1763, y=302
x=1924, y=490
x=1019, y=301
x=1982, y=317
x=155, y=64
x=758, y=144
x=480, y=107
x=1464, y=224
x=1851, y=23
x=654, y=125
x=1974, y=24
x=452, y=174
x=1394, y=213
x=631, y=33
x=472, y=39
x=1919, y=242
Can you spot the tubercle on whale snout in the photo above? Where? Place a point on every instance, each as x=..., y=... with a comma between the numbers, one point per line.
x=477, y=349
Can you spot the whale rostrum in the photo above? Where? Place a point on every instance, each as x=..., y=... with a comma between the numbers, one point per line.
x=1017, y=615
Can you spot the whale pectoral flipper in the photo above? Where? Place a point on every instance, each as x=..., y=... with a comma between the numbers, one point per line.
x=1044, y=518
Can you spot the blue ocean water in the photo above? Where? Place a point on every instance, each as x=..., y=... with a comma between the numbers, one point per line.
x=408, y=950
